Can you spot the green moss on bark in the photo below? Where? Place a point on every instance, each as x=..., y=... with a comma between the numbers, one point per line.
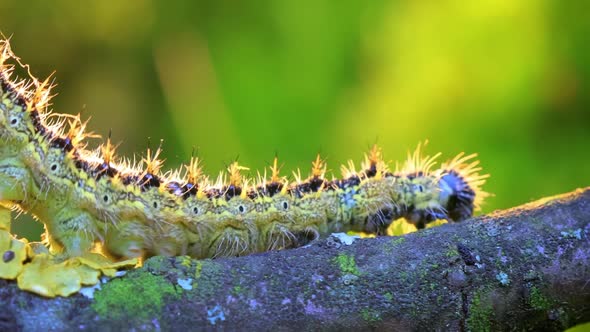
x=139, y=296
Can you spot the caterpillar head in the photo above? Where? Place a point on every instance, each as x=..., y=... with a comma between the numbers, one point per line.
x=456, y=196
x=460, y=186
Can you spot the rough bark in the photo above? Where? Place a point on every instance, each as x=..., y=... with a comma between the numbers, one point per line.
x=527, y=268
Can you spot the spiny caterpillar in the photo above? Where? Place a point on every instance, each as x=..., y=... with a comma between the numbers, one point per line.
x=91, y=200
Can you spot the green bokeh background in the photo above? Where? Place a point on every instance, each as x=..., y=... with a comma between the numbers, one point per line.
x=509, y=80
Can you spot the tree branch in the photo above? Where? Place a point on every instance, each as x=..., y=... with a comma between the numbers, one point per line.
x=523, y=268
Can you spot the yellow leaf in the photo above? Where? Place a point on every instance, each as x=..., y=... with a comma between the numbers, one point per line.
x=400, y=227
x=49, y=276
x=13, y=253
x=437, y=222
x=44, y=277
x=88, y=275
x=100, y=262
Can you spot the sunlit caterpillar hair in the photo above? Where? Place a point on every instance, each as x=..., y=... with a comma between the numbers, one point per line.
x=93, y=200
x=453, y=191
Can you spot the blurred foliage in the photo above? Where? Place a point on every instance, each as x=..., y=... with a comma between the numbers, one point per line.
x=509, y=80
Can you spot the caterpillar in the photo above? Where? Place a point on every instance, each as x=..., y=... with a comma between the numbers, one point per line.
x=90, y=200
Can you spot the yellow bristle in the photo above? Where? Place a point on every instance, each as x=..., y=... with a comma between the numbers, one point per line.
x=219, y=182
x=107, y=151
x=260, y=179
x=375, y=158
x=42, y=93
x=275, y=171
x=235, y=177
x=152, y=163
x=348, y=170
x=416, y=163
x=297, y=176
x=36, y=93
x=194, y=171
x=245, y=188
x=318, y=168
x=375, y=155
x=77, y=132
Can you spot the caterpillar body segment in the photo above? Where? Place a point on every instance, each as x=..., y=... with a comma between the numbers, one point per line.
x=15, y=133
x=277, y=216
x=72, y=230
x=90, y=200
x=420, y=192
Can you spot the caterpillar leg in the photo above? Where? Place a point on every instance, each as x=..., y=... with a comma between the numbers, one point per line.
x=128, y=240
x=232, y=239
x=309, y=226
x=275, y=233
x=171, y=240
x=72, y=233
x=69, y=264
x=14, y=187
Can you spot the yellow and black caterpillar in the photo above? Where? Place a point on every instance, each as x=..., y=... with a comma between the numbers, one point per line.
x=90, y=200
